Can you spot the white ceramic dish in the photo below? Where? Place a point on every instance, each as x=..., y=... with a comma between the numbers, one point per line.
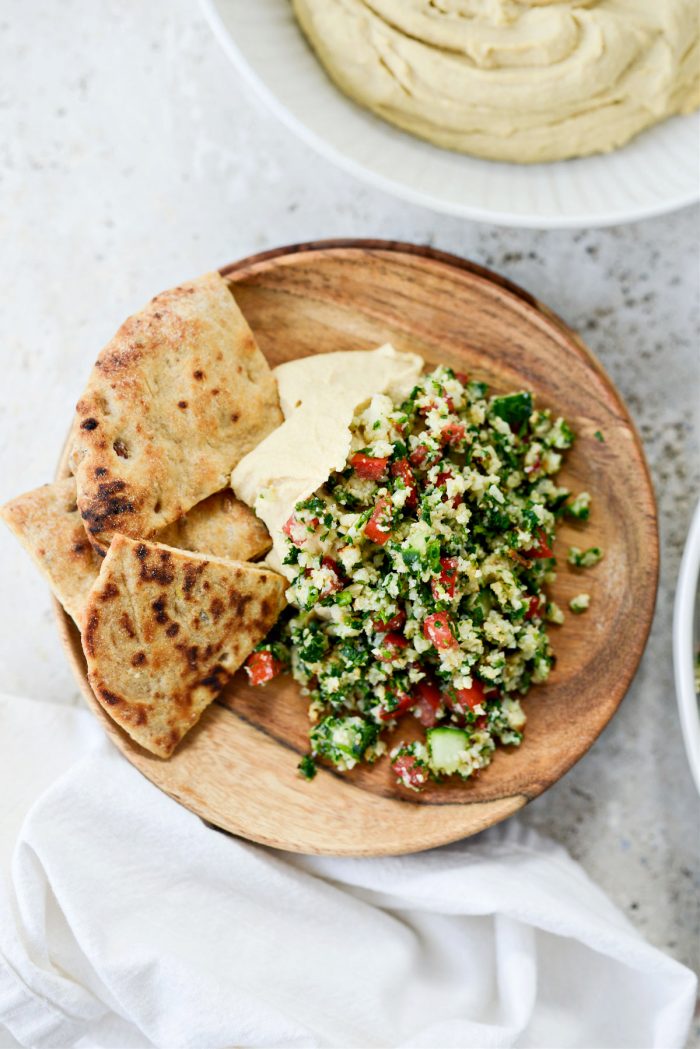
x=685, y=644
x=658, y=172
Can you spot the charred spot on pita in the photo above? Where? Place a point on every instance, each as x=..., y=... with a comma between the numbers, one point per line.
x=110, y=697
x=90, y=631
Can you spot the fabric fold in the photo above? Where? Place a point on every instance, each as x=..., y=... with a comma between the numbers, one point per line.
x=128, y=921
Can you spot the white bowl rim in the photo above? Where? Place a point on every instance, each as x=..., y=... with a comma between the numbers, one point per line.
x=684, y=645
x=424, y=198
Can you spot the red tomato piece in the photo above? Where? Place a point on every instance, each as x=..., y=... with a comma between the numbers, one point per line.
x=262, y=667
x=462, y=377
x=453, y=433
x=469, y=697
x=368, y=466
x=425, y=408
x=447, y=580
x=535, y=607
x=418, y=455
x=436, y=628
x=403, y=470
x=395, y=623
x=543, y=549
x=394, y=643
x=298, y=531
x=409, y=772
x=428, y=700
x=441, y=478
x=378, y=528
x=405, y=702
x=337, y=582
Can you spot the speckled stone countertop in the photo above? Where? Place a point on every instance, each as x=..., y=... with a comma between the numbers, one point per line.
x=131, y=156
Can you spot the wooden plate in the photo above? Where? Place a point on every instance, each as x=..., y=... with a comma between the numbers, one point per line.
x=237, y=768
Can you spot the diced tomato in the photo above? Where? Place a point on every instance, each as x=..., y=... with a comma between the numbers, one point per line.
x=481, y=722
x=337, y=582
x=445, y=584
x=543, y=549
x=468, y=697
x=298, y=531
x=405, y=702
x=535, y=606
x=425, y=408
x=436, y=628
x=395, y=623
x=441, y=479
x=395, y=643
x=453, y=433
x=462, y=377
x=409, y=772
x=378, y=528
x=418, y=455
x=428, y=700
x=261, y=667
x=403, y=470
x=368, y=466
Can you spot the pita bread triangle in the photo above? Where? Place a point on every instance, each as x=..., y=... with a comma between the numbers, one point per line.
x=47, y=523
x=164, y=631
x=174, y=401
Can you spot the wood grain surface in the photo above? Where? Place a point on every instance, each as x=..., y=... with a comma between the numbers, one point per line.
x=237, y=769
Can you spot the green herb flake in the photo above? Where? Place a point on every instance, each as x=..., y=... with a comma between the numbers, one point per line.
x=584, y=558
x=515, y=409
x=579, y=603
x=579, y=508
x=307, y=767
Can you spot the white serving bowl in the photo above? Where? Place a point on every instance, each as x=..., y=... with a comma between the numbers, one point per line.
x=685, y=643
x=657, y=172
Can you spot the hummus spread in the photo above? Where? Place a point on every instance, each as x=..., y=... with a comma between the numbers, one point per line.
x=516, y=80
x=318, y=396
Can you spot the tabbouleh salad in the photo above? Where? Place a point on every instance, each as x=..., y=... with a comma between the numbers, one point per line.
x=419, y=577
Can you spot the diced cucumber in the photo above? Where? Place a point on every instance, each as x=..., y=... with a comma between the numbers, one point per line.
x=445, y=745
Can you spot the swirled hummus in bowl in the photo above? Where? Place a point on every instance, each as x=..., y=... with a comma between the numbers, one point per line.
x=515, y=80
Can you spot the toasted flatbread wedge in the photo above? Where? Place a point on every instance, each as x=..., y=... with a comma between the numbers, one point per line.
x=165, y=630
x=47, y=523
x=175, y=400
x=220, y=525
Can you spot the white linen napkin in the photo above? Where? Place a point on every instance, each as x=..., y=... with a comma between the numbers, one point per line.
x=126, y=921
